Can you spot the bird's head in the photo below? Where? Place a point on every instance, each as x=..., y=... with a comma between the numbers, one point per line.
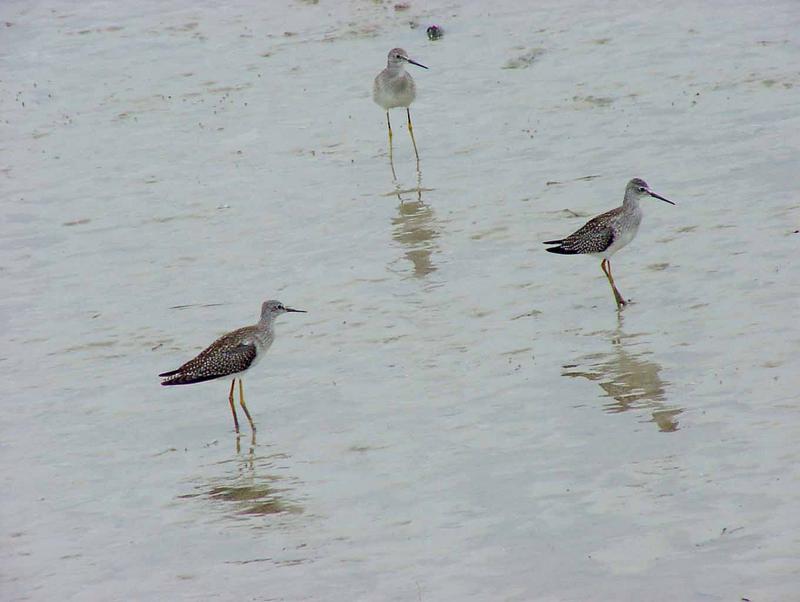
x=271, y=309
x=638, y=189
x=399, y=57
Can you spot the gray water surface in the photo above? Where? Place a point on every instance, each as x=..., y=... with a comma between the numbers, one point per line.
x=460, y=415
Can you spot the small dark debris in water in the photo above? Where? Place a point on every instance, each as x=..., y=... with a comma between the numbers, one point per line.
x=434, y=32
x=289, y=34
x=529, y=314
x=248, y=561
x=581, y=179
x=188, y=305
x=156, y=347
x=77, y=222
x=400, y=6
x=726, y=531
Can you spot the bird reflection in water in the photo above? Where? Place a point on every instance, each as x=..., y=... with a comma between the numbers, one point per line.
x=415, y=228
x=630, y=378
x=249, y=486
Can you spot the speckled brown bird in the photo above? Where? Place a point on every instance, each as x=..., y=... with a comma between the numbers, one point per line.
x=231, y=355
x=607, y=233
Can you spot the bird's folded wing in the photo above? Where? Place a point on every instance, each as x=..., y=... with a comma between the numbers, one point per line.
x=592, y=238
x=240, y=357
x=212, y=364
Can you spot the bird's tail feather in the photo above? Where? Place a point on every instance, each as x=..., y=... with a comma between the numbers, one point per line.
x=561, y=251
x=553, y=242
x=186, y=379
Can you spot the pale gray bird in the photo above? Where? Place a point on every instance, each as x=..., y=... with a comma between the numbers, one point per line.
x=395, y=88
x=607, y=233
x=231, y=355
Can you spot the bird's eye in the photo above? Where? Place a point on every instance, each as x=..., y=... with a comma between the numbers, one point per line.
x=642, y=189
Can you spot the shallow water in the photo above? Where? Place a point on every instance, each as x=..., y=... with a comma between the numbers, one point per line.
x=460, y=416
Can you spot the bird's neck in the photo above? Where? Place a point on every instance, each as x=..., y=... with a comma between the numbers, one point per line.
x=264, y=335
x=265, y=325
x=395, y=70
x=630, y=204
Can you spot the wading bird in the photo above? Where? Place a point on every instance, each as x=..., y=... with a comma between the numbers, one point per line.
x=231, y=355
x=607, y=233
x=395, y=88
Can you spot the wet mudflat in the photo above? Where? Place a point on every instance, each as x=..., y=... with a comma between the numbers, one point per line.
x=460, y=415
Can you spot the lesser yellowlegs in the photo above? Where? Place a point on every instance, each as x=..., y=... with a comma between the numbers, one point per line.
x=609, y=232
x=231, y=355
x=395, y=88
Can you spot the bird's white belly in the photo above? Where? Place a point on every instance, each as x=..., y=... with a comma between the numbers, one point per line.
x=621, y=239
x=256, y=359
x=261, y=350
x=395, y=93
x=392, y=101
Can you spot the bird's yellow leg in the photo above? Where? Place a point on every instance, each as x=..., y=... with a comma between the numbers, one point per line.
x=244, y=407
x=252, y=446
x=233, y=407
x=391, y=152
x=606, y=267
x=411, y=131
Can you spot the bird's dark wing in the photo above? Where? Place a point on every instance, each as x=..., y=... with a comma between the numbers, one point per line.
x=241, y=357
x=595, y=236
x=213, y=363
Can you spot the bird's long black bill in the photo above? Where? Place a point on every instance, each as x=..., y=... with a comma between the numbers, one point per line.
x=297, y=311
x=416, y=63
x=659, y=197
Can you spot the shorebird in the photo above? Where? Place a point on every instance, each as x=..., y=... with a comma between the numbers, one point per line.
x=395, y=88
x=231, y=355
x=607, y=233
